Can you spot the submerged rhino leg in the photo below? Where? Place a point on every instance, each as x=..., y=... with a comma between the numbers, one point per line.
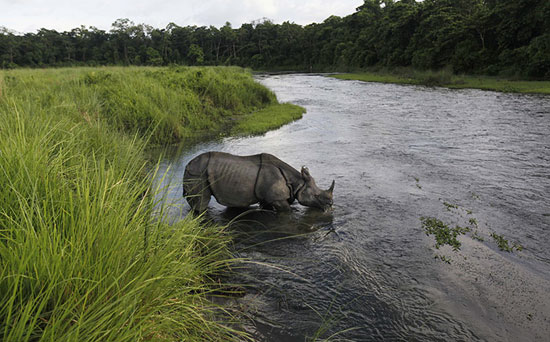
x=281, y=205
x=196, y=188
x=272, y=188
x=266, y=206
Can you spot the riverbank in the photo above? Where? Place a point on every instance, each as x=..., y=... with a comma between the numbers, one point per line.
x=448, y=80
x=167, y=105
x=86, y=252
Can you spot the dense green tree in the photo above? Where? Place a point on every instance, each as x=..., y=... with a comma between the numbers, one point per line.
x=510, y=37
x=8, y=48
x=196, y=55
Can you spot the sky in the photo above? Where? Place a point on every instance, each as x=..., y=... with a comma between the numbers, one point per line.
x=63, y=15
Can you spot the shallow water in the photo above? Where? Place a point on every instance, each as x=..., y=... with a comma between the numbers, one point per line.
x=367, y=270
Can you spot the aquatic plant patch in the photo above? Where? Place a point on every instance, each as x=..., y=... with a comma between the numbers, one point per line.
x=450, y=206
x=443, y=234
x=446, y=235
x=504, y=245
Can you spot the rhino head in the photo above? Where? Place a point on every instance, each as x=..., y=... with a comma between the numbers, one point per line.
x=311, y=195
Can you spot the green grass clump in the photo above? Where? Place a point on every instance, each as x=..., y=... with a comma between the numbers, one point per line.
x=443, y=234
x=445, y=78
x=85, y=251
x=267, y=119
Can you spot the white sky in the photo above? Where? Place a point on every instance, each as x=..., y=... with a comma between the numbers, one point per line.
x=64, y=15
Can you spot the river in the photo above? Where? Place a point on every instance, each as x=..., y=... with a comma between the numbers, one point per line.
x=367, y=271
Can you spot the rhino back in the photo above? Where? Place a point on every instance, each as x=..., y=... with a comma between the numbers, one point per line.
x=291, y=175
x=233, y=178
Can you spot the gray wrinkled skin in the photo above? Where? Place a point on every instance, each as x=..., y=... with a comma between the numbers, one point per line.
x=240, y=181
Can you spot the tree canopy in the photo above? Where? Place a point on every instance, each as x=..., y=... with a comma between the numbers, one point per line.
x=510, y=37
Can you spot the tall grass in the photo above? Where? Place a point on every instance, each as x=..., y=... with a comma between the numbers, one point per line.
x=165, y=104
x=85, y=253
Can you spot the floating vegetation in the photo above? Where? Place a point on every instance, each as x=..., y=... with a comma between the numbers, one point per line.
x=503, y=244
x=443, y=234
x=443, y=258
x=450, y=206
x=477, y=237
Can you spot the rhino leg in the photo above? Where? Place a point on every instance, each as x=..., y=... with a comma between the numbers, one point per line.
x=272, y=188
x=281, y=205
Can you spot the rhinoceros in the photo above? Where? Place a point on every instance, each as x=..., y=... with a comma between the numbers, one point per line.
x=240, y=181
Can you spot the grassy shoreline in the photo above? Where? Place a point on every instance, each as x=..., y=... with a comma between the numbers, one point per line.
x=267, y=119
x=165, y=104
x=86, y=253
x=448, y=80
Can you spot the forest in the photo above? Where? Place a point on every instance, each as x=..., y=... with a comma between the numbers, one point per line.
x=508, y=38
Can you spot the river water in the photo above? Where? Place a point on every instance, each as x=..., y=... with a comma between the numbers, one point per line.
x=367, y=271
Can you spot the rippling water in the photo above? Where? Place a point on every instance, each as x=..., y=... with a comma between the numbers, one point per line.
x=367, y=271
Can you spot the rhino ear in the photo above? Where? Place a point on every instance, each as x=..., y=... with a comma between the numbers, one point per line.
x=331, y=189
x=305, y=174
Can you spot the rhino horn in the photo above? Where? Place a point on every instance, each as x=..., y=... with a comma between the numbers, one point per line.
x=305, y=174
x=331, y=187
